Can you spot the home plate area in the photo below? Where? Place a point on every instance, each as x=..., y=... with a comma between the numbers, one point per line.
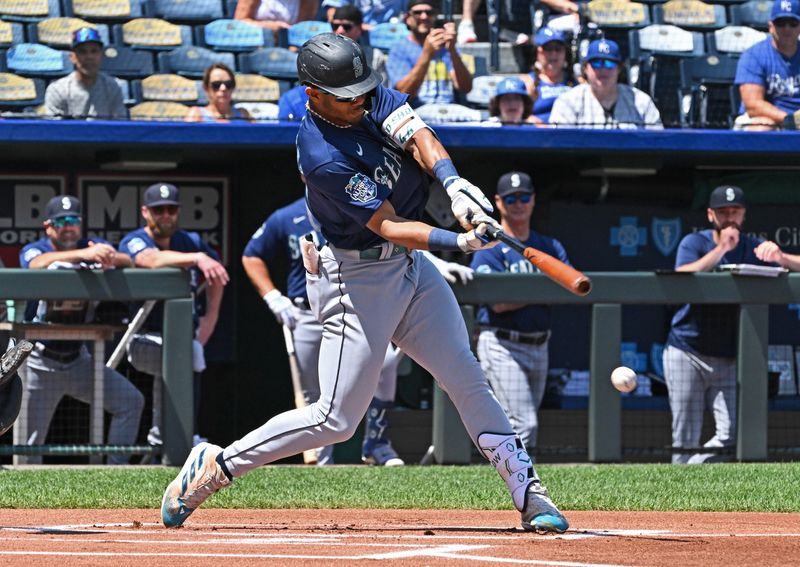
x=396, y=537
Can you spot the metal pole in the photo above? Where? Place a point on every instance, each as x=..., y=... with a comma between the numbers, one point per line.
x=751, y=373
x=605, y=403
x=178, y=399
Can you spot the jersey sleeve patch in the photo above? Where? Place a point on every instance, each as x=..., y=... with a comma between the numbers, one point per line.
x=136, y=245
x=361, y=188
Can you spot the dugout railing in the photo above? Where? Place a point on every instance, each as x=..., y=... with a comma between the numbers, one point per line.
x=609, y=293
x=129, y=285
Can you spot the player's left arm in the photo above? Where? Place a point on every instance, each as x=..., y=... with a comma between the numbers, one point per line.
x=768, y=251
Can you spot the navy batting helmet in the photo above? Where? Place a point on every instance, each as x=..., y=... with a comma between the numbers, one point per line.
x=336, y=64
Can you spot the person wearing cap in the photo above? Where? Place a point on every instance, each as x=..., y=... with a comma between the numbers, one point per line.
x=700, y=354
x=58, y=368
x=162, y=244
x=86, y=93
x=767, y=73
x=511, y=103
x=513, y=340
x=551, y=75
x=426, y=64
x=602, y=101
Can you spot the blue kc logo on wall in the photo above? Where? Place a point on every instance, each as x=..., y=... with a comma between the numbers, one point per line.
x=628, y=236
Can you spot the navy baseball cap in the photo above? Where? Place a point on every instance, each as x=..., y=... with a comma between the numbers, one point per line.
x=546, y=35
x=86, y=35
x=604, y=49
x=514, y=182
x=785, y=9
x=511, y=85
x=62, y=206
x=161, y=194
x=726, y=196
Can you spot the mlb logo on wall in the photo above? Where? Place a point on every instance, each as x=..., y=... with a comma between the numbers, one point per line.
x=628, y=236
x=666, y=234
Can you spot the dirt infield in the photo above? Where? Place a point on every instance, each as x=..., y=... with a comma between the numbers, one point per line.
x=396, y=537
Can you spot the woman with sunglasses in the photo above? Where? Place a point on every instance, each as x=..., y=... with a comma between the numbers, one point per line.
x=551, y=74
x=219, y=83
x=602, y=101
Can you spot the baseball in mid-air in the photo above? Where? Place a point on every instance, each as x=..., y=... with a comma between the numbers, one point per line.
x=624, y=379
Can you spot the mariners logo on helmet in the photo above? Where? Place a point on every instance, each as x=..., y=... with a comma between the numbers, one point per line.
x=361, y=188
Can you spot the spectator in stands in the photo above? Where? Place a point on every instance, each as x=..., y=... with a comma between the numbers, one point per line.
x=426, y=64
x=346, y=21
x=161, y=244
x=551, y=74
x=562, y=14
x=602, y=102
x=58, y=368
x=276, y=14
x=511, y=103
x=768, y=73
x=86, y=92
x=374, y=11
x=219, y=83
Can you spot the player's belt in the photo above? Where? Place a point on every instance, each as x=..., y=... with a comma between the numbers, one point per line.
x=527, y=339
x=62, y=357
x=376, y=252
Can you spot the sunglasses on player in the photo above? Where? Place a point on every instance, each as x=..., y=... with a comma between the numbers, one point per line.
x=346, y=26
x=523, y=198
x=603, y=64
x=217, y=85
x=61, y=222
x=161, y=209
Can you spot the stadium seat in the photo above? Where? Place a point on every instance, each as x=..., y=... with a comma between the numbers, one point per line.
x=191, y=61
x=732, y=40
x=104, y=10
x=127, y=95
x=665, y=40
x=260, y=111
x=189, y=11
x=18, y=92
x=475, y=64
x=618, y=14
x=29, y=10
x=754, y=13
x=274, y=62
x=483, y=89
x=383, y=36
x=11, y=33
x=152, y=33
x=436, y=113
x=159, y=111
x=57, y=32
x=35, y=60
x=691, y=14
x=255, y=88
x=301, y=32
x=169, y=88
x=705, y=91
x=127, y=63
x=233, y=35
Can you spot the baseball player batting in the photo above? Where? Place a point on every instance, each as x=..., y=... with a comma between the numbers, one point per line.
x=366, y=156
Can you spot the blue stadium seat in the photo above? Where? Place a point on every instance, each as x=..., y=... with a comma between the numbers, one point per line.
x=104, y=10
x=301, y=32
x=189, y=11
x=660, y=39
x=152, y=33
x=733, y=40
x=11, y=33
x=57, y=32
x=691, y=14
x=36, y=60
x=255, y=88
x=30, y=10
x=191, y=61
x=233, y=35
x=705, y=91
x=169, y=88
x=618, y=14
x=127, y=63
x=483, y=89
x=159, y=111
x=754, y=13
x=273, y=62
x=383, y=36
x=18, y=92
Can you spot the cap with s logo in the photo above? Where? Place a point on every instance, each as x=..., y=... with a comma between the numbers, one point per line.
x=726, y=196
x=161, y=194
x=514, y=182
x=62, y=206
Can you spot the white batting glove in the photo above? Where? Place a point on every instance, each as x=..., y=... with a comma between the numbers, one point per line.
x=282, y=307
x=468, y=203
x=476, y=239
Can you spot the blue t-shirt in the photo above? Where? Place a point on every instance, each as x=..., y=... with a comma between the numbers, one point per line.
x=374, y=11
x=709, y=329
x=292, y=104
x=763, y=65
x=502, y=259
x=138, y=240
x=350, y=172
x=280, y=235
x=546, y=95
x=437, y=87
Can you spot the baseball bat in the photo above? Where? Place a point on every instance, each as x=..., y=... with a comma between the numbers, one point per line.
x=566, y=276
x=309, y=455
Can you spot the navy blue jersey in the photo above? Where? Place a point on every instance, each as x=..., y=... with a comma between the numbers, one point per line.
x=278, y=237
x=138, y=240
x=502, y=259
x=709, y=329
x=350, y=172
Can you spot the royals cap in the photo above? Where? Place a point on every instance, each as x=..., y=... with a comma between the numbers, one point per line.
x=726, y=196
x=785, y=9
x=62, y=206
x=511, y=85
x=603, y=49
x=546, y=35
x=161, y=194
x=514, y=182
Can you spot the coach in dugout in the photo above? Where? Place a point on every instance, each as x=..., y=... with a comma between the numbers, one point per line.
x=768, y=73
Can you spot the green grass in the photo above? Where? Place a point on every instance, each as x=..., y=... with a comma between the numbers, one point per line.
x=733, y=487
